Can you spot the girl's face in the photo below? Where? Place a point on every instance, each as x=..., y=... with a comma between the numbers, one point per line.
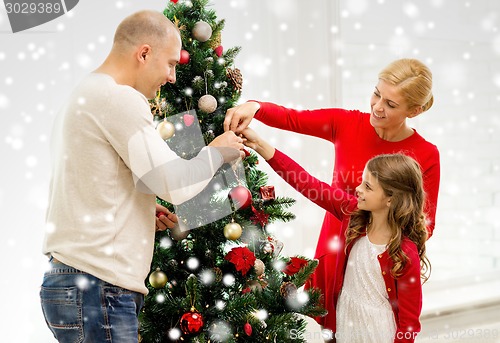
x=371, y=196
x=389, y=109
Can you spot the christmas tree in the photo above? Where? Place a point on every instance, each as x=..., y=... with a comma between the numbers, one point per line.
x=219, y=276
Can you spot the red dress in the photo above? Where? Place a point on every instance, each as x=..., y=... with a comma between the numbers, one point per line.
x=405, y=293
x=355, y=141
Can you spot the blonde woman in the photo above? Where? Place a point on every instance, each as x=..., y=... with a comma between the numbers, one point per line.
x=403, y=91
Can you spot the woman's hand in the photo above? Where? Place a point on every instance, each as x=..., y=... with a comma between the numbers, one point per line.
x=238, y=118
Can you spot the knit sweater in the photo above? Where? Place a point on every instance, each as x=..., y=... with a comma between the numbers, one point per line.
x=108, y=165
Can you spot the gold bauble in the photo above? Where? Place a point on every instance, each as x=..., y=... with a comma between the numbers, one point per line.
x=166, y=129
x=158, y=279
x=232, y=231
x=259, y=266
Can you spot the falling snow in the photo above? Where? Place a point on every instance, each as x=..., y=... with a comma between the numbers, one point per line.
x=292, y=54
x=220, y=331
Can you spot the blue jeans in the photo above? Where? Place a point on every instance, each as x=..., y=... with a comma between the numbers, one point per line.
x=79, y=307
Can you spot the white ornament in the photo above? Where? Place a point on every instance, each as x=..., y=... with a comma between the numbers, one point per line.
x=207, y=103
x=202, y=31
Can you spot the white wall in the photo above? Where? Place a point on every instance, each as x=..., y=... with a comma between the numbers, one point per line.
x=305, y=54
x=319, y=54
x=459, y=41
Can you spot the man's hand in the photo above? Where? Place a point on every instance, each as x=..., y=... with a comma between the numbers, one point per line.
x=229, y=145
x=164, y=218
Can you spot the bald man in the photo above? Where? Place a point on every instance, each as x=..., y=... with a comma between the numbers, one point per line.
x=108, y=166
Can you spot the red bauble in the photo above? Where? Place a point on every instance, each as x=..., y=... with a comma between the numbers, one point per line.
x=158, y=214
x=241, y=197
x=219, y=50
x=174, y=1
x=191, y=322
x=184, y=58
x=248, y=329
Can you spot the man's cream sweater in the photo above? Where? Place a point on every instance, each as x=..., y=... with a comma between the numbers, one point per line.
x=108, y=163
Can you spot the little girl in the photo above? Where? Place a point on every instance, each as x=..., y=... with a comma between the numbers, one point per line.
x=377, y=288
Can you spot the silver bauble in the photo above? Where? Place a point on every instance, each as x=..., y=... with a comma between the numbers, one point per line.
x=207, y=103
x=202, y=31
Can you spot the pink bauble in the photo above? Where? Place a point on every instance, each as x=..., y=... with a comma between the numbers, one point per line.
x=241, y=197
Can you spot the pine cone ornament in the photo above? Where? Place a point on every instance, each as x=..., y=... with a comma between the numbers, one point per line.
x=234, y=74
x=218, y=274
x=288, y=290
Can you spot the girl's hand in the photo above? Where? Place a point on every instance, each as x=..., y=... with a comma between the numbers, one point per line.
x=252, y=140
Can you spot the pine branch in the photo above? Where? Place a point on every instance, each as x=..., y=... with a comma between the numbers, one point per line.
x=231, y=53
x=288, y=327
x=285, y=202
x=313, y=307
x=300, y=278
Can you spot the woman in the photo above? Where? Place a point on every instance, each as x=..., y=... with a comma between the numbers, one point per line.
x=404, y=90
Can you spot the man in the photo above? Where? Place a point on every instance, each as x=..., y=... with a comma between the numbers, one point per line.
x=109, y=163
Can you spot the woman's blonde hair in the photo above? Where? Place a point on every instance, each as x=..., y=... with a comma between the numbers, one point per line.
x=400, y=177
x=413, y=78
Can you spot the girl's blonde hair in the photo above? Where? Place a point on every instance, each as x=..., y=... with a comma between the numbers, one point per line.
x=401, y=179
x=413, y=78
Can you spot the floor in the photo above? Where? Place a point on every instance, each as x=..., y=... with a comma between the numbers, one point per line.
x=475, y=325
x=462, y=310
